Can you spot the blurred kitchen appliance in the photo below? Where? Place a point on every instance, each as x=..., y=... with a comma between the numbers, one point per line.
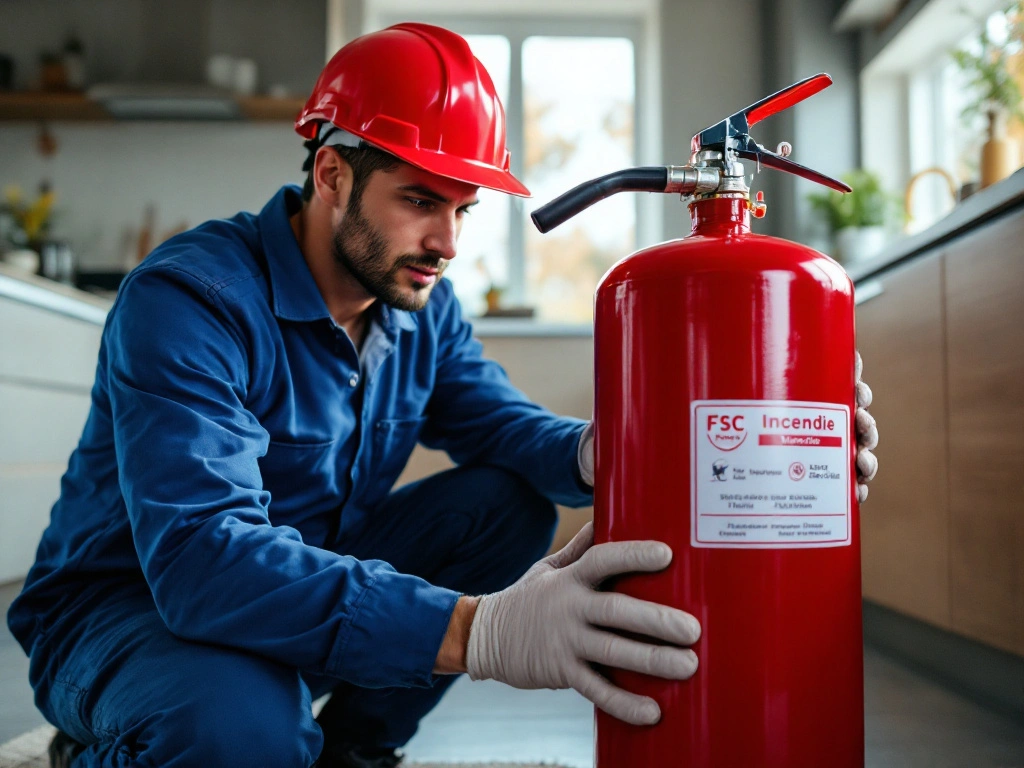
x=57, y=261
x=6, y=72
x=165, y=101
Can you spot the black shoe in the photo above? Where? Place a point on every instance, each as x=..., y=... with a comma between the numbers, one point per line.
x=351, y=756
x=63, y=749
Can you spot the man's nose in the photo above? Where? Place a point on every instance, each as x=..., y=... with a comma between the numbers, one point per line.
x=443, y=237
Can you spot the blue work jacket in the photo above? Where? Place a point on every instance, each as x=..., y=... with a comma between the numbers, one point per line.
x=236, y=434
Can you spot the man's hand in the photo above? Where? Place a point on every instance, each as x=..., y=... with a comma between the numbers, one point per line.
x=867, y=440
x=546, y=629
x=867, y=436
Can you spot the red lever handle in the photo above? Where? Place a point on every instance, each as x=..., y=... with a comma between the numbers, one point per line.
x=786, y=98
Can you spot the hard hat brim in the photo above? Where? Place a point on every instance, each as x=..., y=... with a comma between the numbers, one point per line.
x=457, y=168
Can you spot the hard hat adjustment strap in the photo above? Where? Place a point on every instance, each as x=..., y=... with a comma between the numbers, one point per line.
x=331, y=135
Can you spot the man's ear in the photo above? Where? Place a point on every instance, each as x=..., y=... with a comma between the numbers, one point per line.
x=332, y=178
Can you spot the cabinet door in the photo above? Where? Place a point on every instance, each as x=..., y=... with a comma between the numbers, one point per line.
x=985, y=330
x=905, y=521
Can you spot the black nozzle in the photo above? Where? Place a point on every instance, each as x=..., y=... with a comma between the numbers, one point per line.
x=567, y=205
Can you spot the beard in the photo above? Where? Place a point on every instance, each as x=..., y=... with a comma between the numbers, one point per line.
x=362, y=250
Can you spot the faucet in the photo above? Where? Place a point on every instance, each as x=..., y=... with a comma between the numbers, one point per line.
x=908, y=195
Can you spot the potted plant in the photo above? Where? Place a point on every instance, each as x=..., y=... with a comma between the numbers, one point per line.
x=25, y=226
x=997, y=94
x=857, y=219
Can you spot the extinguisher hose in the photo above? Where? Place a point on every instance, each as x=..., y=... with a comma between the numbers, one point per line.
x=565, y=206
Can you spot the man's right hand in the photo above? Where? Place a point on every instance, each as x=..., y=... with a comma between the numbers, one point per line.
x=546, y=629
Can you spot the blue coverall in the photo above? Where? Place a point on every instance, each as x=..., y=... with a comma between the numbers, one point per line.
x=226, y=546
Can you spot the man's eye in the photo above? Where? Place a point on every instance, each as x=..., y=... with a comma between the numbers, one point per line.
x=465, y=211
x=419, y=202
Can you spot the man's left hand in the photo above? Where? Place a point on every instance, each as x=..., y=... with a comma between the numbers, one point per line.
x=867, y=440
x=867, y=436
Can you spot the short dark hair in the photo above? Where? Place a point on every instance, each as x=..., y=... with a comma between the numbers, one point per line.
x=363, y=160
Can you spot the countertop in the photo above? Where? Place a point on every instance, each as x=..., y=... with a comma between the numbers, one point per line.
x=56, y=297
x=975, y=210
x=980, y=207
x=66, y=300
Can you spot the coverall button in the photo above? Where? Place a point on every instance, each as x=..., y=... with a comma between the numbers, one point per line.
x=353, y=379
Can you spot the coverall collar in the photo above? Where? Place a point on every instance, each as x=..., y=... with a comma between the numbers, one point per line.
x=295, y=295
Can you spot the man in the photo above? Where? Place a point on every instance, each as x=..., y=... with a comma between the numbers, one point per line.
x=226, y=549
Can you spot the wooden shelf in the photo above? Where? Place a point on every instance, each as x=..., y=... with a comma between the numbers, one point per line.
x=28, y=105
x=266, y=108
x=32, y=105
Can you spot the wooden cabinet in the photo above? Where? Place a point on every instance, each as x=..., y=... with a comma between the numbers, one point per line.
x=984, y=307
x=905, y=523
x=943, y=347
x=46, y=374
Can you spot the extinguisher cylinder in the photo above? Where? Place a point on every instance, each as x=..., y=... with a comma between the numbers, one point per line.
x=724, y=406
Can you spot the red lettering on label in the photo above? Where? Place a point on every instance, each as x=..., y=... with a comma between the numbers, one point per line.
x=820, y=422
x=726, y=431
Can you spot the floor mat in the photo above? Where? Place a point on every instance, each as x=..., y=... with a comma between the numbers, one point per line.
x=29, y=751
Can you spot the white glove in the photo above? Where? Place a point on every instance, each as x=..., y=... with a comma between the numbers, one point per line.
x=543, y=630
x=867, y=436
x=585, y=455
x=867, y=441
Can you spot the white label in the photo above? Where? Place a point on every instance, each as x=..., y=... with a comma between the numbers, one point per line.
x=769, y=474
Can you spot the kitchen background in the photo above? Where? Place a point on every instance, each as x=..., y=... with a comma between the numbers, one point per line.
x=123, y=121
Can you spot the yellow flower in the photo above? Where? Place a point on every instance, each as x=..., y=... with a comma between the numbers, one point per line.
x=35, y=217
x=12, y=194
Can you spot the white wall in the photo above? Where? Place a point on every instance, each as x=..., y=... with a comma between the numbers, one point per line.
x=105, y=174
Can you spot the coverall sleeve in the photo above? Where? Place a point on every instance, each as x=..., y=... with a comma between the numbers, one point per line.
x=187, y=450
x=475, y=414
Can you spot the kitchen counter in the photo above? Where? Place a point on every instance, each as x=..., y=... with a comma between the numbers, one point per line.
x=49, y=295
x=975, y=210
x=69, y=301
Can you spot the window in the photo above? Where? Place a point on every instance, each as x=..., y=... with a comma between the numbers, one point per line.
x=940, y=135
x=579, y=99
x=571, y=89
x=913, y=97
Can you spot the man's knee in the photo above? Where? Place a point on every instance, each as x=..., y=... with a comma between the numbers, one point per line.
x=255, y=714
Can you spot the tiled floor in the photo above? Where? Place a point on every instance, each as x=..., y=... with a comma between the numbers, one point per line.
x=911, y=722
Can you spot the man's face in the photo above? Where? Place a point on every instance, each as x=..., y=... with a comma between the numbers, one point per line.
x=398, y=237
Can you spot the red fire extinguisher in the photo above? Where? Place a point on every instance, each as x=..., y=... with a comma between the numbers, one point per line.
x=724, y=404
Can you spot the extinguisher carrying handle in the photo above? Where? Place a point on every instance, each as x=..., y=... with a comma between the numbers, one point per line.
x=568, y=204
x=765, y=157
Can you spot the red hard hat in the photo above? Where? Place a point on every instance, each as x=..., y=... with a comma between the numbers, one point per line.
x=418, y=92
